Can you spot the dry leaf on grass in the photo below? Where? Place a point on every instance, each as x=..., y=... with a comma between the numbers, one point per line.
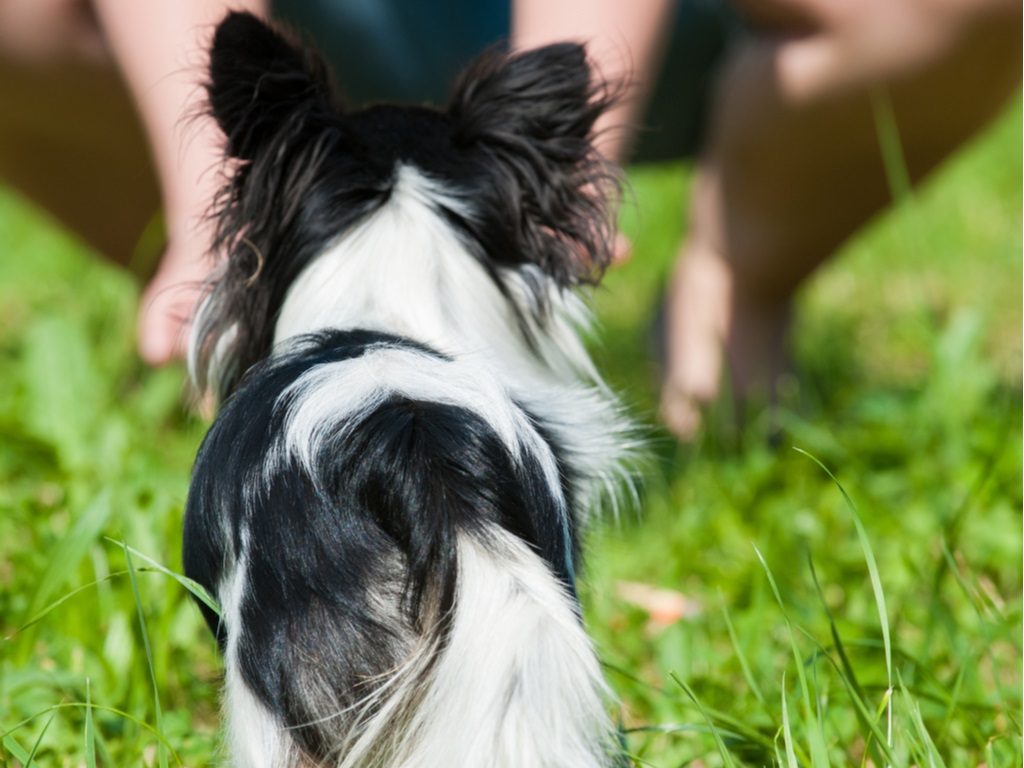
x=664, y=606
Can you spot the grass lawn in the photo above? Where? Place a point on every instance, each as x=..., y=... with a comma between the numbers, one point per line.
x=870, y=620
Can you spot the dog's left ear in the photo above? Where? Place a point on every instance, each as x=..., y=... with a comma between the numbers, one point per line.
x=261, y=84
x=528, y=119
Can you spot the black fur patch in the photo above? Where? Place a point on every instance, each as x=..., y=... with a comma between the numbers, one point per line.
x=525, y=122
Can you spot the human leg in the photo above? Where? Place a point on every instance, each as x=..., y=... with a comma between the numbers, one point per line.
x=70, y=143
x=792, y=165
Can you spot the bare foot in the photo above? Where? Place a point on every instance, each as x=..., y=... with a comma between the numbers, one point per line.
x=166, y=307
x=696, y=326
x=715, y=327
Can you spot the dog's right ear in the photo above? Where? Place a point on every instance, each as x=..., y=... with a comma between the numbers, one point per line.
x=262, y=84
x=527, y=120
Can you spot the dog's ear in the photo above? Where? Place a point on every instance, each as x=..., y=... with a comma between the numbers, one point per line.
x=529, y=119
x=261, y=83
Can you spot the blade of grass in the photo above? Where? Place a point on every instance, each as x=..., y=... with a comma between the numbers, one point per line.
x=158, y=712
x=197, y=589
x=635, y=760
x=738, y=729
x=884, y=705
x=747, y=674
x=787, y=733
x=72, y=547
x=891, y=146
x=978, y=708
x=865, y=714
x=67, y=554
x=818, y=753
x=8, y=734
x=833, y=630
x=722, y=749
x=673, y=728
x=876, y=583
x=984, y=606
x=11, y=745
x=627, y=675
x=953, y=523
x=910, y=705
x=35, y=747
x=853, y=684
x=778, y=755
x=954, y=704
x=1012, y=760
x=57, y=603
x=90, y=735
x=897, y=175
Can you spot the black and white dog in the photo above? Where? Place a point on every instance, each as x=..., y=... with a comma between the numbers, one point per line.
x=389, y=504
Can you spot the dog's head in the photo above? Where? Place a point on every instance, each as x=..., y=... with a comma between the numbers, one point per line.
x=509, y=167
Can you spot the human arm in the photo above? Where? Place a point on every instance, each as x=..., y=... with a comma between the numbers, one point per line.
x=624, y=40
x=160, y=48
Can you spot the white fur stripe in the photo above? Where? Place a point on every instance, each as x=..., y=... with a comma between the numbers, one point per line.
x=405, y=270
x=255, y=736
x=332, y=396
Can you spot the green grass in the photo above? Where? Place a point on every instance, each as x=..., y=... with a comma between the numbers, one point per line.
x=867, y=619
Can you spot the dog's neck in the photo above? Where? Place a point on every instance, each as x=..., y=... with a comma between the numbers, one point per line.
x=405, y=270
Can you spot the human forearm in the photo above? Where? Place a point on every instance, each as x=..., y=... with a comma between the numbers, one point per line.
x=160, y=49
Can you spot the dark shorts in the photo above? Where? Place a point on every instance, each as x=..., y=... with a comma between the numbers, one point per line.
x=410, y=51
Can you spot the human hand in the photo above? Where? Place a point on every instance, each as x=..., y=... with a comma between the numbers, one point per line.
x=623, y=249
x=159, y=48
x=169, y=301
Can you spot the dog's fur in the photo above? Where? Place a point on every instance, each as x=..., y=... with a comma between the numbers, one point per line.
x=389, y=504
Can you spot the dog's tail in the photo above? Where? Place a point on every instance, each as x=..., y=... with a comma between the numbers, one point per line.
x=417, y=607
x=515, y=684
x=504, y=675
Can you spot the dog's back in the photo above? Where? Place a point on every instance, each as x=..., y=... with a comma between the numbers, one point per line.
x=389, y=504
x=391, y=540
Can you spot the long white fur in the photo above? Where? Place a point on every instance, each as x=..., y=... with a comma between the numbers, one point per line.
x=517, y=685
x=256, y=738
